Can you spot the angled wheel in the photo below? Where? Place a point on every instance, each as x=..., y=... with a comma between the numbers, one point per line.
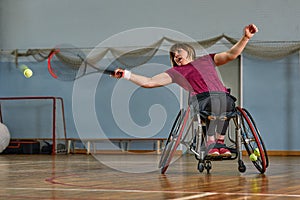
x=259, y=137
x=173, y=140
x=201, y=166
x=208, y=166
x=252, y=141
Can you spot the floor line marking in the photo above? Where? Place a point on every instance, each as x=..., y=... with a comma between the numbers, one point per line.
x=196, y=193
x=196, y=196
x=101, y=190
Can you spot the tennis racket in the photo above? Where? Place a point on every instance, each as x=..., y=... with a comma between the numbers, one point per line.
x=70, y=63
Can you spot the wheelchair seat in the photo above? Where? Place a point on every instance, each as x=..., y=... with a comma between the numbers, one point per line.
x=223, y=116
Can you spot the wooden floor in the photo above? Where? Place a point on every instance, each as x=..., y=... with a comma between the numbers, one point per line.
x=76, y=177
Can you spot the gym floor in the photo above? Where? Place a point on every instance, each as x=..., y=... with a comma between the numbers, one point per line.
x=78, y=176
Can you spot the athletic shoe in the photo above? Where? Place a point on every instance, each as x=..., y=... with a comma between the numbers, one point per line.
x=225, y=152
x=213, y=152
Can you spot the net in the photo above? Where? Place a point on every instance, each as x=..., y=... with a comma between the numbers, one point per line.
x=270, y=50
x=133, y=56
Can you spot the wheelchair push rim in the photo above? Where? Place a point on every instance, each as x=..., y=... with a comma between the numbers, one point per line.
x=259, y=136
x=252, y=141
x=174, y=140
x=170, y=139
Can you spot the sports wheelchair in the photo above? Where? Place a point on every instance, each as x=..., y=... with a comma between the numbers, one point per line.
x=189, y=130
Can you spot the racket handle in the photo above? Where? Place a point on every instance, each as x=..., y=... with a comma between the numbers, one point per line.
x=120, y=74
x=110, y=72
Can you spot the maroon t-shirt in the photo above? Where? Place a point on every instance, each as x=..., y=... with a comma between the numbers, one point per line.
x=198, y=76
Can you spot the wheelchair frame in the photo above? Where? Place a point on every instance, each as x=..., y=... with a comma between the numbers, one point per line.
x=246, y=134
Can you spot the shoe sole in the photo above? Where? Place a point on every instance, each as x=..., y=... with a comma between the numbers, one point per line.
x=213, y=155
x=225, y=155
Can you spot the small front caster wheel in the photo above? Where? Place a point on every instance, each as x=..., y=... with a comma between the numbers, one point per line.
x=242, y=167
x=208, y=166
x=200, y=166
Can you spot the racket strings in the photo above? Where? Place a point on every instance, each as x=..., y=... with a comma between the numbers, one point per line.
x=64, y=65
x=69, y=64
x=69, y=60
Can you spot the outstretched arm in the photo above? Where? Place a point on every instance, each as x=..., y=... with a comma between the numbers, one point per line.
x=236, y=50
x=143, y=81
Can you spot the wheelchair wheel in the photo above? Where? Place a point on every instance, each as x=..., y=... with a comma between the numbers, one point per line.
x=173, y=140
x=259, y=137
x=252, y=141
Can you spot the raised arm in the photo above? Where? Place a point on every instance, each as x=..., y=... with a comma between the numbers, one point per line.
x=236, y=50
x=143, y=81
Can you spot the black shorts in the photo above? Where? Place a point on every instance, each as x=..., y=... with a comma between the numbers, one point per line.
x=216, y=103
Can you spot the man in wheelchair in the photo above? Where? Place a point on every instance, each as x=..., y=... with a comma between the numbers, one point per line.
x=198, y=76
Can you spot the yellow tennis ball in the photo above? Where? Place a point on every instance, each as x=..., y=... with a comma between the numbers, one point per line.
x=256, y=152
x=27, y=73
x=253, y=157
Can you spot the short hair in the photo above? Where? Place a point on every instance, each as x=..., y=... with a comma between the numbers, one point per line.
x=190, y=50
